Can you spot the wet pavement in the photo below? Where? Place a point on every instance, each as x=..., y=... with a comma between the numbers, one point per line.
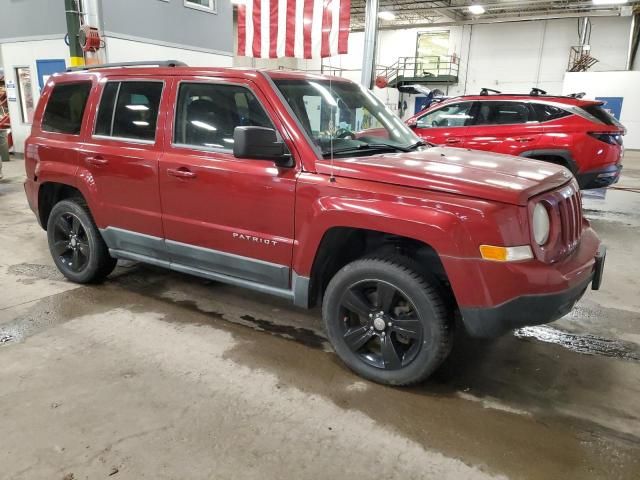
x=161, y=375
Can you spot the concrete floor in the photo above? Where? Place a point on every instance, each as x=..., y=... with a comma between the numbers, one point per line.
x=164, y=376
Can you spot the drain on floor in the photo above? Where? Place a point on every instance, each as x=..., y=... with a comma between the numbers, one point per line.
x=585, y=344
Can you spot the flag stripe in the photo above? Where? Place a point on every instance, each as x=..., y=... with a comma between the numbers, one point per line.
x=242, y=30
x=293, y=28
x=308, y=26
x=273, y=29
x=343, y=35
x=327, y=21
x=265, y=24
x=257, y=28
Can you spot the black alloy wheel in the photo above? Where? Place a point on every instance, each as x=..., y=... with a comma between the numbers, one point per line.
x=70, y=242
x=380, y=324
x=386, y=321
x=76, y=245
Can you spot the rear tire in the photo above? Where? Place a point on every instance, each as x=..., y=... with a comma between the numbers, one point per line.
x=75, y=243
x=386, y=322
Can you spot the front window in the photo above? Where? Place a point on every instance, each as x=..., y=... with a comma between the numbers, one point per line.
x=343, y=118
x=456, y=115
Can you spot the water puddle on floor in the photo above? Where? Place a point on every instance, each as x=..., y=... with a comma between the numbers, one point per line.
x=585, y=344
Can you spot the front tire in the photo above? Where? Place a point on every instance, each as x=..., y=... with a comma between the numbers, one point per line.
x=76, y=245
x=386, y=322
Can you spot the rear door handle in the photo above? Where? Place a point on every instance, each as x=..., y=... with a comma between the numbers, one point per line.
x=524, y=139
x=181, y=172
x=98, y=160
x=453, y=140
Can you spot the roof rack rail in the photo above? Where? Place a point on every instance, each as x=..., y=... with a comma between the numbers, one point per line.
x=577, y=95
x=537, y=91
x=485, y=91
x=162, y=63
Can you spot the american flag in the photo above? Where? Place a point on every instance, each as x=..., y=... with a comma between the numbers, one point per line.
x=293, y=28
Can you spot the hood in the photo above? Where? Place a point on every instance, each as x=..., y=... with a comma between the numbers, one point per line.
x=490, y=176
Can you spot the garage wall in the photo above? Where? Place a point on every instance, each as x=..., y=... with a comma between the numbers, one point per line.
x=612, y=84
x=24, y=54
x=20, y=19
x=512, y=57
x=120, y=50
x=170, y=23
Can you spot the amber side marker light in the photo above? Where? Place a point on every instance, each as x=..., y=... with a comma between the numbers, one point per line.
x=506, y=254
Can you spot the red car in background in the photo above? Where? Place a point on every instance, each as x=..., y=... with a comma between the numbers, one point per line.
x=566, y=130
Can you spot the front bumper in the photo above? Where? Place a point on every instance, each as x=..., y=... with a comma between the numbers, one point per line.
x=530, y=309
x=599, y=178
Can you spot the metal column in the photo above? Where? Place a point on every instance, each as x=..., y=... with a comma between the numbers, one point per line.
x=71, y=8
x=370, y=43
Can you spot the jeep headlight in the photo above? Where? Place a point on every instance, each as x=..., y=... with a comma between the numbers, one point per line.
x=541, y=224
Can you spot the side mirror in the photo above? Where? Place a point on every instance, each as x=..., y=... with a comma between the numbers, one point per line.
x=412, y=124
x=260, y=143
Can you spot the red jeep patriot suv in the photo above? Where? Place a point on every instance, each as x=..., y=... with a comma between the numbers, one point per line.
x=569, y=131
x=274, y=181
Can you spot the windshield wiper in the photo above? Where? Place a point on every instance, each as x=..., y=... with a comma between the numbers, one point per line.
x=369, y=146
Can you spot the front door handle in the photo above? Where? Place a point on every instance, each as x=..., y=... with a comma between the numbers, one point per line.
x=453, y=140
x=97, y=160
x=181, y=172
x=524, y=139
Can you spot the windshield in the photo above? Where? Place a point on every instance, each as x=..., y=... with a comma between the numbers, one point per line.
x=343, y=118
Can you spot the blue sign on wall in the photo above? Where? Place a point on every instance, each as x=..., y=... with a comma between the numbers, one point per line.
x=46, y=68
x=613, y=105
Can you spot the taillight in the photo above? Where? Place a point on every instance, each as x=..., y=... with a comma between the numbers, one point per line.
x=607, y=137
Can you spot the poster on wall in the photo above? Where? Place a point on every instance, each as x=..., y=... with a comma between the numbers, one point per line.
x=613, y=105
x=11, y=91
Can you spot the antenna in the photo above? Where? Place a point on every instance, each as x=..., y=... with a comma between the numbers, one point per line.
x=332, y=177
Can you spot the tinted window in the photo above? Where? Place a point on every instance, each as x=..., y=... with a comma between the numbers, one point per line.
x=546, y=113
x=136, y=110
x=456, y=115
x=207, y=114
x=65, y=108
x=105, y=112
x=601, y=114
x=503, y=113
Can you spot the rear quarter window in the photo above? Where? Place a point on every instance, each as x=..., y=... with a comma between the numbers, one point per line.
x=65, y=108
x=546, y=113
x=601, y=114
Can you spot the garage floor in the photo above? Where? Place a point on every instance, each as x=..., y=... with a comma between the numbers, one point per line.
x=164, y=376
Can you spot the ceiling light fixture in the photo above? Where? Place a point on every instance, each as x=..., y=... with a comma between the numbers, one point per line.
x=386, y=15
x=609, y=2
x=476, y=9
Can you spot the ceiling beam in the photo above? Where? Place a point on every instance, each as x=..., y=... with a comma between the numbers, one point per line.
x=524, y=18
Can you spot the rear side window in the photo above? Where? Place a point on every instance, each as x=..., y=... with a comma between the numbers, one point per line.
x=601, y=114
x=503, y=113
x=65, y=108
x=129, y=110
x=207, y=114
x=546, y=113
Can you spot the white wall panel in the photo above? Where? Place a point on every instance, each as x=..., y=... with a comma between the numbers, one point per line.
x=21, y=54
x=612, y=84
